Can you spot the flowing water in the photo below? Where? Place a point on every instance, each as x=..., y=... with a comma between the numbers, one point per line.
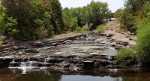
x=46, y=75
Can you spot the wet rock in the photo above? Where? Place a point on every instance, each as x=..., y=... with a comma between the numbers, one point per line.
x=39, y=59
x=31, y=51
x=14, y=64
x=20, y=53
x=37, y=44
x=67, y=42
x=102, y=63
x=102, y=34
x=119, y=46
x=4, y=61
x=54, y=44
x=109, y=35
x=55, y=60
x=123, y=43
x=66, y=65
x=19, y=47
x=88, y=64
x=103, y=56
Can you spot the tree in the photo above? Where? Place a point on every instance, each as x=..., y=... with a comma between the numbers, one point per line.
x=55, y=11
x=35, y=18
x=70, y=21
x=21, y=10
x=118, y=13
x=89, y=16
x=98, y=10
x=128, y=22
x=2, y=17
x=7, y=24
x=134, y=12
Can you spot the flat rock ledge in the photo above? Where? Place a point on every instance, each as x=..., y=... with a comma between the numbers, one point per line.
x=16, y=54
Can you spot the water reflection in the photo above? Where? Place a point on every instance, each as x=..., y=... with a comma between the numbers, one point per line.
x=88, y=78
x=46, y=75
x=137, y=77
x=38, y=76
x=35, y=75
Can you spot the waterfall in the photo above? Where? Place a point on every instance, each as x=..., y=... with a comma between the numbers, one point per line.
x=23, y=67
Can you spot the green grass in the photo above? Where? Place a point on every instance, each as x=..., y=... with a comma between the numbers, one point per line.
x=101, y=28
x=82, y=29
x=126, y=54
x=127, y=57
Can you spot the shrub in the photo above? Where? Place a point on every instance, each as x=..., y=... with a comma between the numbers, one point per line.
x=126, y=56
x=101, y=28
x=82, y=29
x=143, y=42
x=128, y=22
x=147, y=10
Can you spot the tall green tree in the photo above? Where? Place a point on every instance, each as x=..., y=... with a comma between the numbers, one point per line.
x=35, y=18
x=7, y=24
x=98, y=12
x=22, y=11
x=56, y=15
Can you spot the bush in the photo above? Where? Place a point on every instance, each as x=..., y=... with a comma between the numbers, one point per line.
x=101, y=28
x=118, y=13
x=126, y=56
x=143, y=42
x=82, y=29
x=128, y=22
x=147, y=10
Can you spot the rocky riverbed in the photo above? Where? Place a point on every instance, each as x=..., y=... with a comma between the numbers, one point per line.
x=71, y=52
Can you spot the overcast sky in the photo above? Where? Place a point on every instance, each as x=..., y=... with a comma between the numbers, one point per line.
x=113, y=4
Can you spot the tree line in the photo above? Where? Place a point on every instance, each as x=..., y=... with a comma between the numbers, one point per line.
x=35, y=19
x=89, y=16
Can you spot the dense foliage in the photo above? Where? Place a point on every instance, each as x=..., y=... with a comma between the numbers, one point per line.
x=132, y=14
x=128, y=22
x=89, y=16
x=31, y=19
x=136, y=17
x=126, y=56
x=7, y=24
x=144, y=43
